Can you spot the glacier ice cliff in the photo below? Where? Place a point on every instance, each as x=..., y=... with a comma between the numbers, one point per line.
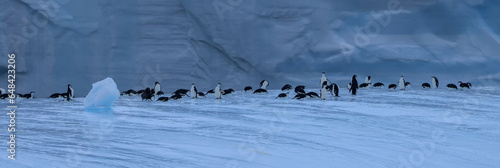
x=240, y=42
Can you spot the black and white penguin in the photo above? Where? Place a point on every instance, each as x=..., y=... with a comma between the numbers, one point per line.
x=163, y=99
x=335, y=90
x=349, y=87
x=407, y=84
x=258, y=91
x=193, y=91
x=140, y=91
x=210, y=92
x=312, y=95
x=2, y=91
x=282, y=95
x=182, y=92
x=129, y=92
x=201, y=94
x=300, y=89
x=175, y=97
x=55, y=95
x=323, y=80
x=71, y=92
x=218, y=91
x=4, y=96
x=426, y=85
x=378, y=84
x=368, y=80
x=248, y=89
x=465, y=85
x=452, y=86
x=435, y=82
x=354, y=85
x=364, y=85
x=287, y=87
x=323, y=91
x=393, y=86
x=157, y=88
x=227, y=91
x=147, y=95
x=300, y=96
x=264, y=84
x=27, y=96
x=401, y=83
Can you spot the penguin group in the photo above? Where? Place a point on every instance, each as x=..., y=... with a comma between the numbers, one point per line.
x=325, y=86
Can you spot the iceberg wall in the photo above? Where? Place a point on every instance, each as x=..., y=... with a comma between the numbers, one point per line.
x=239, y=43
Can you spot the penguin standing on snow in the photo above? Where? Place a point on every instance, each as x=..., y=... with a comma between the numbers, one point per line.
x=435, y=82
x=70, y=93
x=323, y=91
x=323, y=80
x=335, y=90
x=354, y=85
x=193, y=91
x=157, y=89
x=218, y=92
x=264, y=84
x=401, y=83
x=368, y=80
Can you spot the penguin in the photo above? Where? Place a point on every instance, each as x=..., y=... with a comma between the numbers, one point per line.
x=300, y=89
x=401, y=83
x=157, y=88
x=146, y=95
x=210, y=92
x=163, y=99
x=323, y=80
x=27, y=96
x=218, y=91
x=364, y=85
x=227, y=91
x=407, y=84
x=71, y=92
x=55, y=95
x=354, y=85
x=287, y=87
x=201, y=94
x=2, y=91
x=263, y=84
x=248, y=89
x=378, y=84
x=176, y=97
x=465, y=85
x=426, y=85
x=160, y=93
x=335, y=90
x=312, y=95
x=130, y=92
x=140, y=91
x=4, y=96
x=368, y=80
x=182, y=92
x=323, y=91
x=393, y=86
x=193, y=91
x=260, y=91
x=282, y=95
x=452, y=86
x=435, y=82
x=300, y=96
x=349, y=87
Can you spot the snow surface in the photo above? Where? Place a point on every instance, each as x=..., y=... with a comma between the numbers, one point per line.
x=178, y=42
x=104, y=94
x=376, y=128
